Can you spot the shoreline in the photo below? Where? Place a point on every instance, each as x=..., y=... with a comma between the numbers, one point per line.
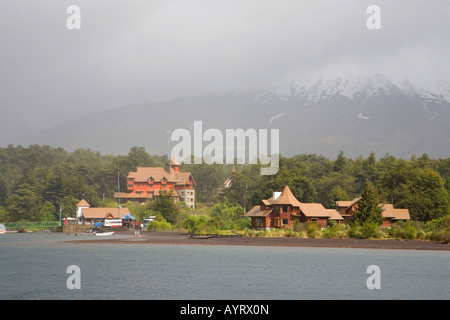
x=184, y=239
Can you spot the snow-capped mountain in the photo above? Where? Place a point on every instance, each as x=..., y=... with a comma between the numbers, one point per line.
x=350, y=113
x=354, y=87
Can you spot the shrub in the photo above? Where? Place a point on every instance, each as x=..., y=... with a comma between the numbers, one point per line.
x=330, y=232
x=313, y=230
x=197, y=224
x=410, y=232
x=159, y=224
x=336, y=231
x=365, y=231
x=404, y=230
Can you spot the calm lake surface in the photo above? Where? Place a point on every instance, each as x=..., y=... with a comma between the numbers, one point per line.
x=34, y=266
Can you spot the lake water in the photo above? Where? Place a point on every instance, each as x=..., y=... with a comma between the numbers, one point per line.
x=33, y=266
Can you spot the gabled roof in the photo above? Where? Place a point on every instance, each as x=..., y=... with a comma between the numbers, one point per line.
x=286, y=197
x=83, y=203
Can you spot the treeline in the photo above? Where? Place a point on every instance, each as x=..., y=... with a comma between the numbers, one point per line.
x=421, y=185
x=36, y=181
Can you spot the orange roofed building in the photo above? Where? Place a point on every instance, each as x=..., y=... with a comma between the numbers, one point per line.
x=148, y=182
x=87, y=215
x=389, y=213
x=283, y=209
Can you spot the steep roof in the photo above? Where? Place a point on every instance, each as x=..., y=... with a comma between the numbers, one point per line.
x=83, y=203
x=286, y=197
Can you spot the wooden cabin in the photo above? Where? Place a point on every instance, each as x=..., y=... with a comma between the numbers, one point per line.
x=282, y=209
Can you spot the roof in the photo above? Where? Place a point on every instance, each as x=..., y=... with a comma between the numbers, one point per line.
x=143, y=174
x=314, y=210
x=334, y=215
x=126, y=195
x=256, y=212
x=347, y=204
x=128, y=216
x=388, y=210
x=157, y=173
x=103, y=213
x=401, y=214
x=286, y=197
x=83, y=203
x=268, y=202
x=343, y=204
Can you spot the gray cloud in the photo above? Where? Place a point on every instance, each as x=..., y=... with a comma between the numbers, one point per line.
x=128, y=51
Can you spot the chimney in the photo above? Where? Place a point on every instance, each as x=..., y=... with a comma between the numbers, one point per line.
x=276, y=194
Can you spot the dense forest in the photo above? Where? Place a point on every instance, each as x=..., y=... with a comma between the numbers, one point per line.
x=36, y=181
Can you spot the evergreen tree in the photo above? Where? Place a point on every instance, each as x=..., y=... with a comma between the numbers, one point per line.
x=368, y=209
x=165, y=205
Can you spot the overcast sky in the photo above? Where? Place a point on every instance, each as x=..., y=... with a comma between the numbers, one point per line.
x=129, y=51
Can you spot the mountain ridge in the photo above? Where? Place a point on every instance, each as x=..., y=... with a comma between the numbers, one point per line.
x=355, y=114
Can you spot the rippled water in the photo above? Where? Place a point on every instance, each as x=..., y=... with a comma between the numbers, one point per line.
x=33, y=266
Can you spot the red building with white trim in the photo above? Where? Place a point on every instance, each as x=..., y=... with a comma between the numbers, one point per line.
x=146, y=183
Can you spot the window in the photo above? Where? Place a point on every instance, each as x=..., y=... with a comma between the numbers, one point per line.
x=258, y=222
x=285, y=208
x=285, y=221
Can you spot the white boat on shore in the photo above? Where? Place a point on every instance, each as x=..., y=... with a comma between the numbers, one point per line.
x=104, y=233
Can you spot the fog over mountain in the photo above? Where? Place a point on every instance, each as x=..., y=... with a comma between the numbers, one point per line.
x=350, y=113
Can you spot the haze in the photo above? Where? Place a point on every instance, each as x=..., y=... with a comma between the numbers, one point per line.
x=129, y=51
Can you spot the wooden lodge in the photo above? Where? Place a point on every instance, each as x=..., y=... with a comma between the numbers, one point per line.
x=390, y=215
x=282, y=209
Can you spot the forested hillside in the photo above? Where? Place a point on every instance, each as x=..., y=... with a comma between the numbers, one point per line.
x=36, y=181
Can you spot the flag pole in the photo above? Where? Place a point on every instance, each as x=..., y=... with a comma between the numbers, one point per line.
x=118, y=187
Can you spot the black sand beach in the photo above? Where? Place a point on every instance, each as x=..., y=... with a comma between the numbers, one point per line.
x=185, y=239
